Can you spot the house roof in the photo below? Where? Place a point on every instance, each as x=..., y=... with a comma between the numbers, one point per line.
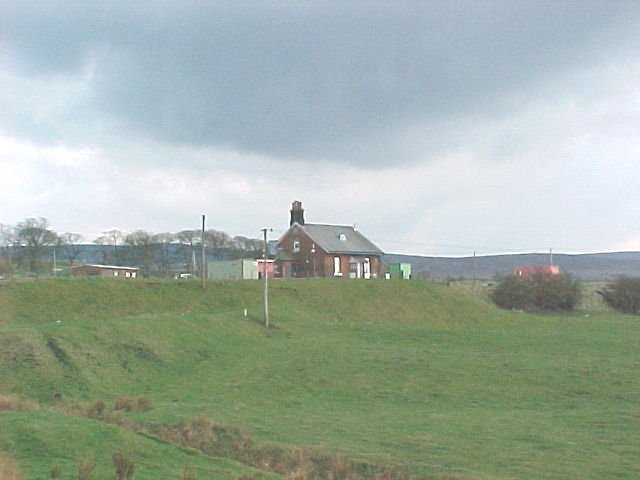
x=339, y=239
x=106, y=267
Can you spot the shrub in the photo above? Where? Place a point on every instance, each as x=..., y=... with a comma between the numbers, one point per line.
x=623, y=295
x=540, y=292
x=124, y=465
x=512, y=292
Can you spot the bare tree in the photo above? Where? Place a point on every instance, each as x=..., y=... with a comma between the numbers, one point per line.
x=69, y=244
x=163, y=251
x=142, y=249
x=217, y=240
x=7, y=244
x=244, y=246
x=189, y=238
x=34, y=234
x=111, y=241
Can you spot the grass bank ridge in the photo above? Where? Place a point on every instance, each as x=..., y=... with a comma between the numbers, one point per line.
x=357, y=380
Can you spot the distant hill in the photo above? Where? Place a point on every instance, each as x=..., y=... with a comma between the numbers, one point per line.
x=590, y=266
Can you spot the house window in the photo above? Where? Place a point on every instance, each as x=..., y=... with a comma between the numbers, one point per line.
x=336, y=267
x=296, y=246
x=127, y=274
x=115, y=273
x=343, y=237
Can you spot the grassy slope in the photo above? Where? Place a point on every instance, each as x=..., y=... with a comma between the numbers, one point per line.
x=408, y=372
x=42, y=439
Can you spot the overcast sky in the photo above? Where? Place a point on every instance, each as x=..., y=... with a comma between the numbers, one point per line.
x=438, y=128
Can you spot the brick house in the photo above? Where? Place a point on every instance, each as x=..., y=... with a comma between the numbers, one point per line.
x=308, y=250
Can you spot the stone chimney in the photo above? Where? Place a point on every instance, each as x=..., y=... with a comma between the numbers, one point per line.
x=297, y=213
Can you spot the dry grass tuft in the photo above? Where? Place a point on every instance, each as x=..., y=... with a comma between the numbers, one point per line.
x=126, y=404
x=144, y=404
x=56, y=471
x=124, y=465
x=216, y=440
x=96, y=409
x=188, y=473
x=9, y=469
x=16, y=404
x=129, y=404
x=86, y=465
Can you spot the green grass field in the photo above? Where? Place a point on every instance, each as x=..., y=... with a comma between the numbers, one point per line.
x=411, y=374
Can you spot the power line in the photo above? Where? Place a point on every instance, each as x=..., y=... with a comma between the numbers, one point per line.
x=461, y=247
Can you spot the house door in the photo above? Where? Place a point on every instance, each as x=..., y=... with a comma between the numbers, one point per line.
x=367, y=268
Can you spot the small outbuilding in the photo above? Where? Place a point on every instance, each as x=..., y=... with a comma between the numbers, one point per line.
x=529, y=272
x=107, y=271
x=400, y=271
x=243, y=269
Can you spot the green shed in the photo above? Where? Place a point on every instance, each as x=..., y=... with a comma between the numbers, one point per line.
x=400, y=271
x=233, y=270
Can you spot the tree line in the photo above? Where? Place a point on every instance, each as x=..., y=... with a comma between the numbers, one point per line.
x=32, y=247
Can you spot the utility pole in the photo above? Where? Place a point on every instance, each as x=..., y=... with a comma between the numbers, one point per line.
x=266, y=278
x=551, y=256
x=202, y=266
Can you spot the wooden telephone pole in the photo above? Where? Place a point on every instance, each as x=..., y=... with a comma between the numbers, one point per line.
x=202, y=266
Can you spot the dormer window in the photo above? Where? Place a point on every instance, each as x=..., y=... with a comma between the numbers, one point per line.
x=343, y=237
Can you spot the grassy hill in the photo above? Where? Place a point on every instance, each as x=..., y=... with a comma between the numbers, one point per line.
x=384, y=376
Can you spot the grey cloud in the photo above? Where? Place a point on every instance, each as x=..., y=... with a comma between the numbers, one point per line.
x=311, y=80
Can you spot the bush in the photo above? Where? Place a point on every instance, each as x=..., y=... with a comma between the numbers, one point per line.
x=623, y=295
x=541, y=292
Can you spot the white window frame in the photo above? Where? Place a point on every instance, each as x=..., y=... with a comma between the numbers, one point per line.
x=296, y=246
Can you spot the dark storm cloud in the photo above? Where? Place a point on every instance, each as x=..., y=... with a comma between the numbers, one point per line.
x=312, y=79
